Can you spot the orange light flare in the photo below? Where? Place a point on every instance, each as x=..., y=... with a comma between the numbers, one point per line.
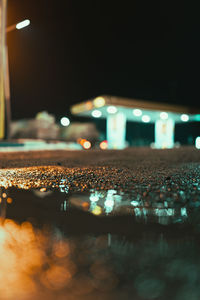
x=79, y=140
x=40, y=264
x=85, y=206
x=32, y=261
x=9, y=200
x=82, y=141
x=103, y=145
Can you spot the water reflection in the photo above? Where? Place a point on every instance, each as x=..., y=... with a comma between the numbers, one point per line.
x=47, y=264
x=59, y=247
x=63, y=186
x=32, y=260
x=112, y=202
x=107, y=201
x=40, y=263
x=99, y=203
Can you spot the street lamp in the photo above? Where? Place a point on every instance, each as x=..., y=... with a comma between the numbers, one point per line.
x=18, y=26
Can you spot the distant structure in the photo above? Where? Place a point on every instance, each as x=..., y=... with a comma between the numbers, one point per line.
x=117, y=111
x=79, y=130
x=42, y=127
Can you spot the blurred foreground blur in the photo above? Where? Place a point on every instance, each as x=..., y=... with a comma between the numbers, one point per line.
x=45, y=264
x=100, y=225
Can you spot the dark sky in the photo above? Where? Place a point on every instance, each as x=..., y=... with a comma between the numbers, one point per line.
x=75, y=50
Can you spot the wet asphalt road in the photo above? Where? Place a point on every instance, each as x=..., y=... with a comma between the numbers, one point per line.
x=157, y=175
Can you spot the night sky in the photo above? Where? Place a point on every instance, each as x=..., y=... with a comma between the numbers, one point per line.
x=75, y=50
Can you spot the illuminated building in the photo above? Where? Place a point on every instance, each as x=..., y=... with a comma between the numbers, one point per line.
x=117, y=111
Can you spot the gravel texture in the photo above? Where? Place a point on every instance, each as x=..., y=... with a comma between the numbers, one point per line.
x=156, y=174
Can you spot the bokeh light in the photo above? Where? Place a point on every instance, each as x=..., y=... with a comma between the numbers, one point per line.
x=97, y=210
x=184, y=118
x=111, y=109
x=137, y=112
x=65, y=121
x=99, y=102
x=103, y=145
x=96, y=113
x=197, y=142
x=164, y=115
x=87, y=145
x=146, y=119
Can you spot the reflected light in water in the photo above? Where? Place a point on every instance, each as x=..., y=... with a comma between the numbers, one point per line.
x=27, y=253
x=94, y=197
x=64, y=188
x=9, y=200
x=97, y=210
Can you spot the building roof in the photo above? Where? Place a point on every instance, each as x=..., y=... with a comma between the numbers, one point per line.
x=127, y=106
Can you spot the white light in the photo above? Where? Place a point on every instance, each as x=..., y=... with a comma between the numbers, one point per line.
x=94, y=197
x=184, y=117
x=135, y=203
x=96, y=113
x=146, y=119
x=164, y=134
x=65, y=121
x=164, y=115
x=197, y=142
x=184, y=212
x=137, y=112
x=23, y=24
x=109, y=203
x=111, y=109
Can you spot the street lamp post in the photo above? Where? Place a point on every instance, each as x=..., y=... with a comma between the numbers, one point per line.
x=5, y=114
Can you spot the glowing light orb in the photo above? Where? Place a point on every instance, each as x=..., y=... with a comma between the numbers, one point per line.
x=197, y=142
x=86, y=145
x=184, y=118
x=9, y=200
x=99, y=102
x=111, y=109
x=137, y=112
x=164, y=115
x=97, y=210
x=23, y=24
x=103, y=145
x=65, y=121
x=146, y=119
x=96, y=113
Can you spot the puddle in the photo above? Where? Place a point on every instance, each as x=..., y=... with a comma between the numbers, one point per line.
x=55, y=204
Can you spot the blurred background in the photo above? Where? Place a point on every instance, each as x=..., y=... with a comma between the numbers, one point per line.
x=76, y=51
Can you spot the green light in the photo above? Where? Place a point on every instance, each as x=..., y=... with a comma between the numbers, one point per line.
x=197, y=117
